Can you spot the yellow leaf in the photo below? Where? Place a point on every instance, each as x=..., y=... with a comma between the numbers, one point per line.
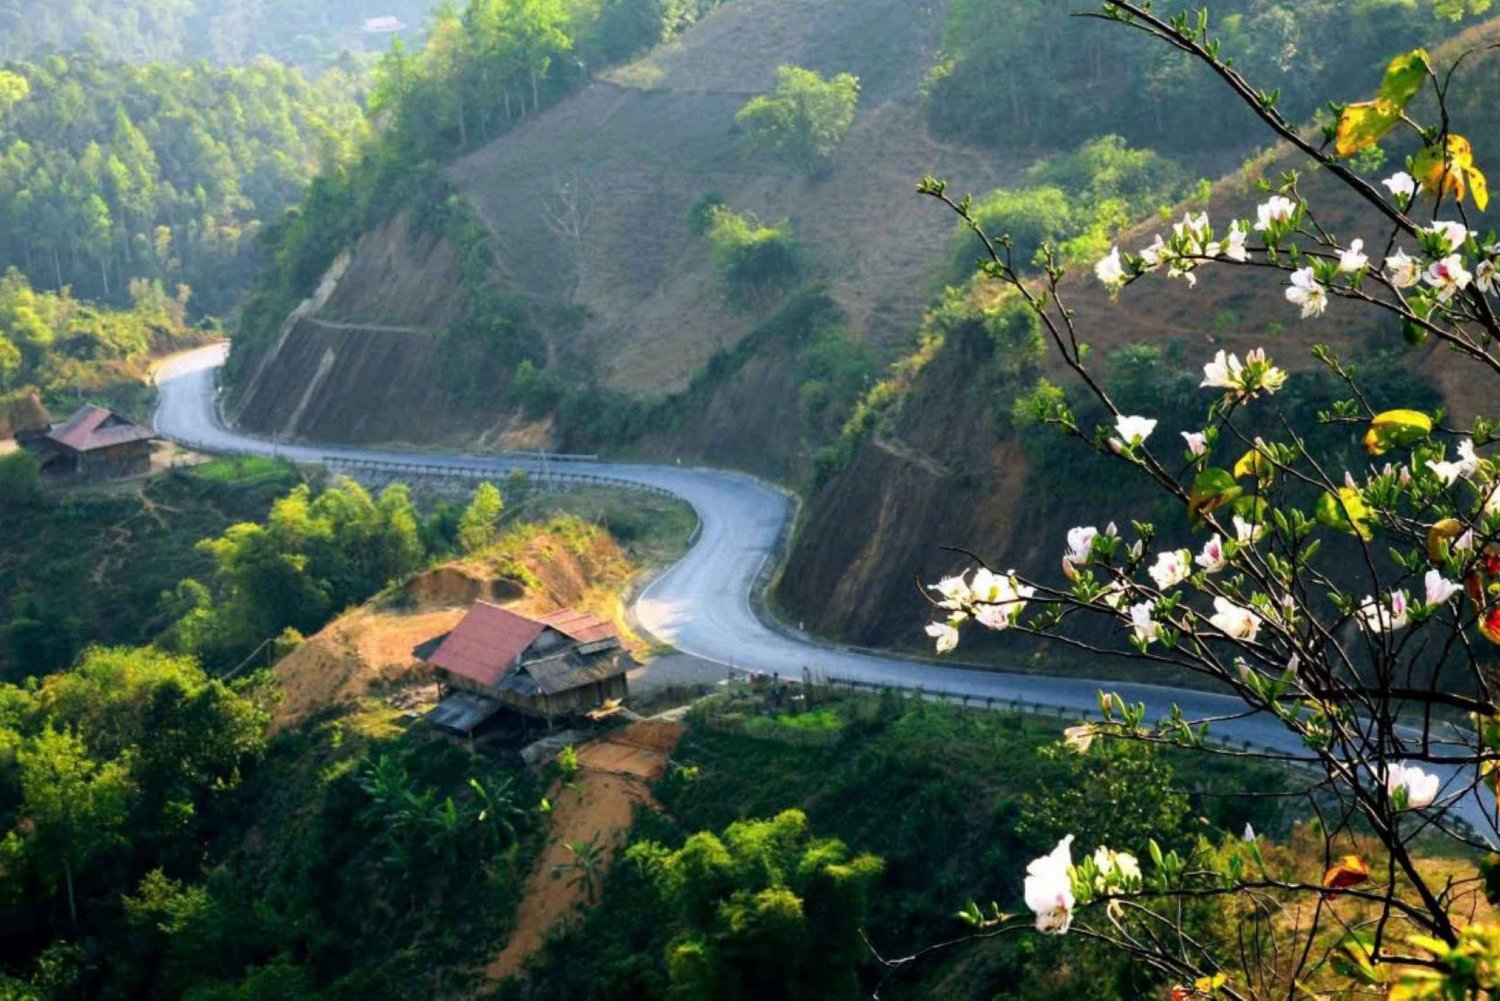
x=1396, y=429
x=1207, y=985
x=1364, y=124
x=1254, y=463
x=1479, y=186
x=1450, y=170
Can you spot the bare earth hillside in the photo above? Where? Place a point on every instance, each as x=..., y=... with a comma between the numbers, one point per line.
x=586, y=210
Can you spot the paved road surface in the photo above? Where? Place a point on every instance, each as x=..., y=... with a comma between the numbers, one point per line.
x=702, y=604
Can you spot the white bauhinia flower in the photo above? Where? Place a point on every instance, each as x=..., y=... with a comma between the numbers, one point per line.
x=1049, y=888
x=1467, y=464
x=1134, y=430
x=1197, y=443
x=1410, y=787
x=1115, y=870
x=1171, y=568
x=1306, y=291
x=1234, y=245
x=1079, y=738
x=955, y=592
x=1080, y=544
x=1260, y=374
x=1402, y=185
x=1274, y=212
x=1249, y=834
x=1354, y=258
x=1484, y=277
x=1005, y=604
x=1110, y=270
x=1155, y=254
x=1114, y=594
x=945, y=633
x=1246, y=532
x=1448, y=277
x=1213, y=559
x=1378, y=617
x=1492, y=502
x=1193, y=231
x=1224, y=372
x=1439, y=588
x=1234, y=620
x=1453, y=234
x=1403, y=271
x=1464, y=543
x=1146, y=629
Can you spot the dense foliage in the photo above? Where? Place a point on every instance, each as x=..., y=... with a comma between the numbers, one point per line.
x=1024, y=72
x=111, y=172
x=1074, y=202
x=940, y=793
x=65, y=347
x=754, y=260
x=803, y=119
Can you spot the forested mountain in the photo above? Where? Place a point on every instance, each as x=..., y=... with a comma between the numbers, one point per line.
x=307, y=33
x=1022, y=71
x=114, y=171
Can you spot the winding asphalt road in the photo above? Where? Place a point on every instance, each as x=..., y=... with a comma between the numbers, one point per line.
x=702, y=605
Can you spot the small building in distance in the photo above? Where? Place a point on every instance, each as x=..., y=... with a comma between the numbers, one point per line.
x=95, y=444
x=564, y=664
x=383, y=25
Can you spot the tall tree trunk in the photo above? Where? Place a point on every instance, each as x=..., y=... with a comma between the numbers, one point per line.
x=57, y=268
x=536, y=100
x=72, y=902
x=104, y=273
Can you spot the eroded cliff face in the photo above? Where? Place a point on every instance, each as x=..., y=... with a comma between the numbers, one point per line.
x=941, y=476
x=360, y=360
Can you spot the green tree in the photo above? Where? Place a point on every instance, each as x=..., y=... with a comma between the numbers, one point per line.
x=804, y=118
x=480, y=524
x=73, y=807
x=765, y=910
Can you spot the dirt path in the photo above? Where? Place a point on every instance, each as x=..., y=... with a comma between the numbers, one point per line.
x=613, y=778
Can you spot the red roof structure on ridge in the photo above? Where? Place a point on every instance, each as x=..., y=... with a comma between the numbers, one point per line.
x=486, y=643
x=94, y=427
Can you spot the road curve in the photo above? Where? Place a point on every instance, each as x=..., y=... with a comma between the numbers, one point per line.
x=702, y=605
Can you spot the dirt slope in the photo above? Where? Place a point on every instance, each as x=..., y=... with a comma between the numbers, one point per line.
x=638, y=147
x=614, y=778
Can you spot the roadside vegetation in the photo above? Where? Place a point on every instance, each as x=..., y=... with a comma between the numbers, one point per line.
x=916, y=805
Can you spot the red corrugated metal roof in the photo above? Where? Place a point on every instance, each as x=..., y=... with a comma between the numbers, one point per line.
x=486, y=642
x=581, y=627
x=94, y=427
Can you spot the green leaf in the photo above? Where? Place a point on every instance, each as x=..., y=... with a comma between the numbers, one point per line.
x=1211, y=490
x=1365, y=123
x=1346, y=512
x=1404, y=77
